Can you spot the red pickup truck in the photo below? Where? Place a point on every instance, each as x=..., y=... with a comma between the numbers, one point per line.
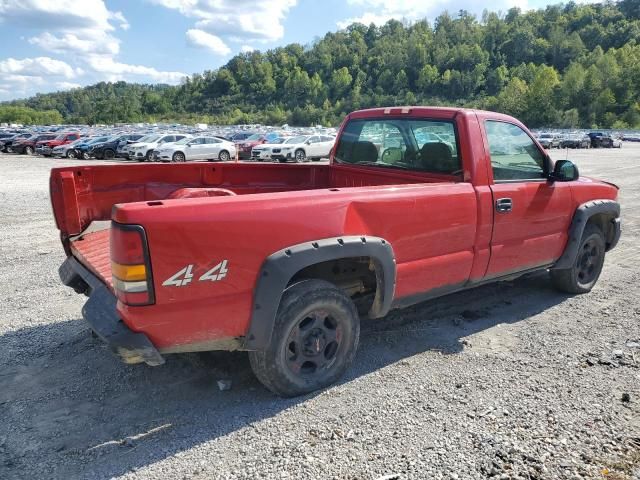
x=415, y=203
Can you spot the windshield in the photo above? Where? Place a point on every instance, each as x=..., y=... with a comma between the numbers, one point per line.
x=97, y=140
x=300, y=139
x=148, y=138
x=403, y=143
x=255, y=136
x=277, y=141
x=60, y=137
x=546, y=135
x=184, y=141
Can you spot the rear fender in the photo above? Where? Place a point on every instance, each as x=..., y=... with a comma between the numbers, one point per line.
x=280, y=267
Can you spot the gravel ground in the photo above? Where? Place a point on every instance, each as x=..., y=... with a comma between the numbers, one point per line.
x=511, y=380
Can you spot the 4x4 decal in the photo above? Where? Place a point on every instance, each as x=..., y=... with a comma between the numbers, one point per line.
x=184, y=276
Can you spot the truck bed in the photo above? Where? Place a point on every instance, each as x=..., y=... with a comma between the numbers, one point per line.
x=92, y=250
x=82, y=195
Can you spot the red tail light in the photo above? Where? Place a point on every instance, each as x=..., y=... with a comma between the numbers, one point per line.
x=130, y=265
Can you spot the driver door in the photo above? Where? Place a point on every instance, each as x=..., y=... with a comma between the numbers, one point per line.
x=531, y=214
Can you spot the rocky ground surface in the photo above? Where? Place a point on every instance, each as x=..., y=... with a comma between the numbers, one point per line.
x=508, y=381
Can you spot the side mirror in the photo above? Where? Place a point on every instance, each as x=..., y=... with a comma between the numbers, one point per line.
x=564, y=171
x=308, y=142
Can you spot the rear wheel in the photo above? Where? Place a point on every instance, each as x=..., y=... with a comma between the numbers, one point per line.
x=587, y=265
x=314, y=340
x=28, y=150
x=178, y=157
x=108, y=154
x=70, y=153
x=148, y=156
x=224, y=156
x=85, y=155
x=300, y=156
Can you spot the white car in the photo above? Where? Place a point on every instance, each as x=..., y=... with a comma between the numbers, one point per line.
x=196, y=148
x=303, y=148
x=263, y=152
x=143, y=149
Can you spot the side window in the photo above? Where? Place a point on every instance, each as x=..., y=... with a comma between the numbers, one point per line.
x=315, y=139
x=514, y=156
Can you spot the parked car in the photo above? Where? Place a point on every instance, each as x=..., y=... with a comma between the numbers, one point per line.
x=616, y=142
x=263, y=152
x=109, y=148
x=240, y=136
x=576, y=140
x=121, y=151
x=549, y=140
x=67, y=150
x=179, y=269
x=6, y=144
x=27, y=146
x=82, y=148
x=45, y=147
x=196, y=148
x=601, y=140
x=143, y=149
x=304, y=148
x=244, y=148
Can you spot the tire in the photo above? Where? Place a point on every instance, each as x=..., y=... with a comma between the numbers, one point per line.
x=70, y=154
x=178, y=157
x=300, y=156
x=108, y=154
x=85, y=156
x=28, y=150
x=282, y=160
x=224, y=156
x=147, y=157
x=584, y=273
x=314, y=340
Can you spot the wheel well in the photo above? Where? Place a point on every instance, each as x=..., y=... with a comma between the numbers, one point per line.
x=603, y=222
x=358, y=277
x=176, y=152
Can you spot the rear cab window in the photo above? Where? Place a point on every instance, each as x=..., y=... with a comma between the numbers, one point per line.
x=418, y=145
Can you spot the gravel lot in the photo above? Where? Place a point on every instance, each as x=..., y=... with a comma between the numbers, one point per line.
x=507, y=381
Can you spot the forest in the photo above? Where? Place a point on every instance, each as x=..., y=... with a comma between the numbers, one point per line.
x=566, y=65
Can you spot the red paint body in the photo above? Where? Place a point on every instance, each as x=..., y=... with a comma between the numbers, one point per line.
x=444, y=230
x=68, y=138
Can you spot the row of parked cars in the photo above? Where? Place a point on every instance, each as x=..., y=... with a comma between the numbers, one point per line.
x=579, y=140
x=164, y=145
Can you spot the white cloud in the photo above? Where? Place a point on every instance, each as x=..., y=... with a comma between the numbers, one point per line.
x=37, y=67
x=83, y=32
x=247, y=48
x=70, y=42
x=417, y=9
x=256, y=19
x=67, y=85
x=115, y=70
x=202, y=39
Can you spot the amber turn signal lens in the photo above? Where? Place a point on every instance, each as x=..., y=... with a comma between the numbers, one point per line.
x=129, y=273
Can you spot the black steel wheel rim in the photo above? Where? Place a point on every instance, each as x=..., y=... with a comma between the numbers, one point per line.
x=313, y=343
x=588, y=261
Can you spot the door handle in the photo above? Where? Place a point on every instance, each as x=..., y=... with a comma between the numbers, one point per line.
x=504, y=205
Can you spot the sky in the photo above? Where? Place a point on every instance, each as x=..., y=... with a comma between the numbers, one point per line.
x=52, y=45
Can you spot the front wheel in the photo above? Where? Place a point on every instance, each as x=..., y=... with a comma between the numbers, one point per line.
x=28, y=150
x=149, y=156
x=314, y=340
x=70, y=154
x=178, y=157
x=85, y=156
x=584, y=273
x=224, y=156
x=108, y=154
x=300, y=156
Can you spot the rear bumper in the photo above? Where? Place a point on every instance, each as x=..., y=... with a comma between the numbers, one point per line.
x=101, y=314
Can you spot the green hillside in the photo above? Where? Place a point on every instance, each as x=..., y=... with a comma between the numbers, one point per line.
x=566, y=65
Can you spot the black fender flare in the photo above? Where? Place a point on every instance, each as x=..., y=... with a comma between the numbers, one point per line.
x=280, y=267
x=580, y=219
